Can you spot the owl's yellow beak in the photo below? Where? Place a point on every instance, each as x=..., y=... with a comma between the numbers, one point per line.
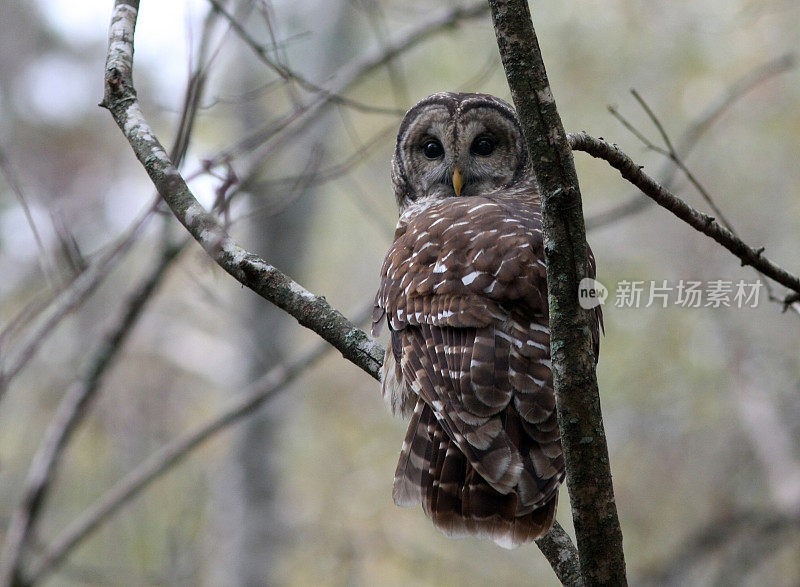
x=458, y=181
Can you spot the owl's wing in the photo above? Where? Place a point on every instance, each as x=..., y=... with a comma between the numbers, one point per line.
x=464, y=292
x=434, y=472
x=494, y=399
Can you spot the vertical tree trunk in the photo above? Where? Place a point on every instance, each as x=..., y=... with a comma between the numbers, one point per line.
x=256, y=528
x=591, y=491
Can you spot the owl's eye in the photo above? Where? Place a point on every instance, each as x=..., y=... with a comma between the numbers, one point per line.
x=432, y=149
x=482, y=146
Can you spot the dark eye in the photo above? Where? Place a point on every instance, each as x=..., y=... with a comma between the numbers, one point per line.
x=432, y=149
x=482, y=146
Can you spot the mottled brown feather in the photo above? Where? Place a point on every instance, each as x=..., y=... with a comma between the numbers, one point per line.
x=463, y=289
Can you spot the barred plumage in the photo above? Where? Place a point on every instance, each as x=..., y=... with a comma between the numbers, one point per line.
x=463, y=289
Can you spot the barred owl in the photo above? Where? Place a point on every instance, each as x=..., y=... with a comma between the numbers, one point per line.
x=464, y=292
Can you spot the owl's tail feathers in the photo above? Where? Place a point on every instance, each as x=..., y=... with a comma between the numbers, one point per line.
x=433, y=472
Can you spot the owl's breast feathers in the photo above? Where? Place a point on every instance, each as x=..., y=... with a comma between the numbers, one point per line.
x=464, y=292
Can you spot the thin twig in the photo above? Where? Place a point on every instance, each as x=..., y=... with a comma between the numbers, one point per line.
x=691, y=137
x=290, y=75
x=654, y=119
x=71, y=298
x=670, y=153
x=168, y=456
x=702, y=222
x=335, y=171
x=70, y=412
x=376, y=19
x=752, y=79
x=13, y=182
x=675, y=158
x=82, y=286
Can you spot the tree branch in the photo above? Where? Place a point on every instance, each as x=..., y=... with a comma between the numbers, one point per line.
x=690, y=138
x=699, y=221
x=310, y=310
x=288, y=74
x=168, y=456
x=674, y=157
x=575, y=381
x=70, y=411
x=69, y=299
x=7, y=171
x=562, y=555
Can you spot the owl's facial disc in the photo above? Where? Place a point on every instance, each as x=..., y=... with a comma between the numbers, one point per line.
x=452, y=145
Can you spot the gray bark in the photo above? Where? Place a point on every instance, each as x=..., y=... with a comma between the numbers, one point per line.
x=591, y=492
x=280, y=234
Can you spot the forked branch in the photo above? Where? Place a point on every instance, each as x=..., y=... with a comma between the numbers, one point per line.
x=310, y=310
x=697, y=220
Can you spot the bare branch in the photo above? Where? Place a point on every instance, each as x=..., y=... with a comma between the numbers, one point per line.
x=168, y=456
x=654, y=119
x=321, y=176
x=376, y=20
x=690, y=138
x=84, y=284
x=670, y=153
x=310, y=310
x=289, y=74
x=699, y=221
x=10, y=176
x=594, y=511
x=562, y=555
x=752, y=79
x=71, y=298
x=70, y=412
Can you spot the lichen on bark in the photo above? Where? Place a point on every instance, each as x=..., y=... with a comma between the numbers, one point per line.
x=588, y=473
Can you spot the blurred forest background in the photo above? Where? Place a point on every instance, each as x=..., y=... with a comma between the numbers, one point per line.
x=701, y=405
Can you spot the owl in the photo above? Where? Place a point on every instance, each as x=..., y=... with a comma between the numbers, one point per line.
x=464, y=293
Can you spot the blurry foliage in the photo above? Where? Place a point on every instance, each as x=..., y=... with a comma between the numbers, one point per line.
x=680, y=452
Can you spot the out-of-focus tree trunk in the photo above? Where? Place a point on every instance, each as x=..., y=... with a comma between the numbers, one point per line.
x=261, y=528
x=278, y=231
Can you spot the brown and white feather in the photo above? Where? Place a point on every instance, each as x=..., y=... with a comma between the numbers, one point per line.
x=464, y=292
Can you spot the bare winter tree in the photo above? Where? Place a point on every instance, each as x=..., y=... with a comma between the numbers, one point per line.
x=273, y=171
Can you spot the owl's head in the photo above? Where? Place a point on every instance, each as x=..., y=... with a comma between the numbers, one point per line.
x=453, y=144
